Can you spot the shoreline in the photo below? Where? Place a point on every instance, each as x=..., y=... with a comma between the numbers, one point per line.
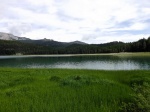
x=70, y=55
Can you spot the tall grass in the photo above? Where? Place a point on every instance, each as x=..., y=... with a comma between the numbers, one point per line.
x=64, y=90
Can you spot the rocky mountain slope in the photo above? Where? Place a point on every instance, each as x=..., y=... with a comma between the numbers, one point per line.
x=43, y=42
x=7, y=36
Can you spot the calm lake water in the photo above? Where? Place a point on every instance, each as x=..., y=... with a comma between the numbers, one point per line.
x=101, y=62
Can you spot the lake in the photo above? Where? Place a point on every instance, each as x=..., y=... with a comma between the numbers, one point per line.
x=101, y=62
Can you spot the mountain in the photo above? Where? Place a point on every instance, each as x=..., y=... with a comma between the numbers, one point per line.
x=52, y=43
x=78, y=42
x=7, y=36
x=43, y=42
x=11, y=45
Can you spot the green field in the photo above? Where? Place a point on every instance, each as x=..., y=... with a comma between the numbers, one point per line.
x=68, y=90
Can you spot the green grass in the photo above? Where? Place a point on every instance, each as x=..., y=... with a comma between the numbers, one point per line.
x=134, y=54
x=68, y=90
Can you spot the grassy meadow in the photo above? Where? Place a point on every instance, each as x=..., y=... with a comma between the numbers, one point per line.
x=70, y=90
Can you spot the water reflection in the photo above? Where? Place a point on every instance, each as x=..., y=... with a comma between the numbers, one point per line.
x=79, y=62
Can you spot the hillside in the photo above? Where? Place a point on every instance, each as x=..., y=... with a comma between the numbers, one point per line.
x=7, y=36
x=20, y=45
x=43, y=42
x=12, y=47
x=52, y=43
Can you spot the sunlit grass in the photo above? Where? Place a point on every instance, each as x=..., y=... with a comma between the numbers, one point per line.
x=65, y=90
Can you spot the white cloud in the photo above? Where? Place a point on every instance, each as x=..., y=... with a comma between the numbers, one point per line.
x=133, y=27
x=111, y=38
x=138, y=26
x=66, y=20
x=58, y=35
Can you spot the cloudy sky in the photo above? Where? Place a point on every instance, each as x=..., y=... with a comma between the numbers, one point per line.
x=91, y=21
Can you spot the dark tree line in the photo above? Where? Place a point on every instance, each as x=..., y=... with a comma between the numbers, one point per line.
x=142, y=45
x=16, y=47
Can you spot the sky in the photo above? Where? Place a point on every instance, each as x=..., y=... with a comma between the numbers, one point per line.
x=90, y=21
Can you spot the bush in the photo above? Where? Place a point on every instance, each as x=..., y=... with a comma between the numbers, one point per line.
x=55, y=78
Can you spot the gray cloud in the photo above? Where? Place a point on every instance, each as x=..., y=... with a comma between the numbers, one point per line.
x=19, y=28
x=33, y=8
x=64, y=17
x=86, y=20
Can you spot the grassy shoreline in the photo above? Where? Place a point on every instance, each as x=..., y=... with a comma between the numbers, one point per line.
x=101, y=54
x=71, y=90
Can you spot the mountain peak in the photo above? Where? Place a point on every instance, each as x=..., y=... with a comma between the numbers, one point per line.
x=78, y=42
x=8, y=36
x=45, y=39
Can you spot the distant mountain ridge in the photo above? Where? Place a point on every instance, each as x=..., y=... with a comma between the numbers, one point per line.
x=13, y=45
x=44, y=42
x=7, y=36
x=78, y=42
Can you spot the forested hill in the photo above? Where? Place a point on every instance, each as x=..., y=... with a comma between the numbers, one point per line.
x=51, y=43
x=13, y=47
